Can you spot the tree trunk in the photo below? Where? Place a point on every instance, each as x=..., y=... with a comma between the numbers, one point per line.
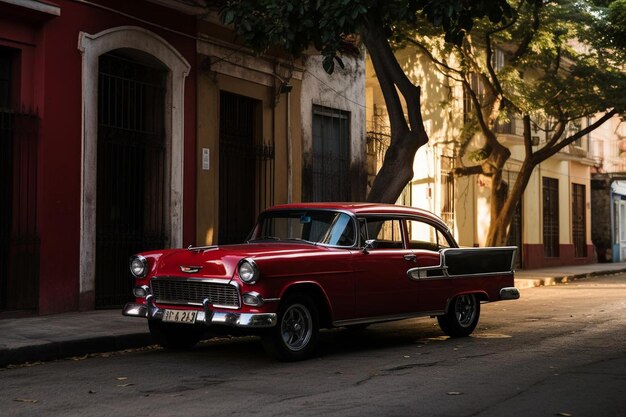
x=501, y=220
x=396, y=171
x=406, y=136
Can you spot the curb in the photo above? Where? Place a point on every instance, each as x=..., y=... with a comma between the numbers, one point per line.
x=562, y=279
x=53, y=350
x=77, y=347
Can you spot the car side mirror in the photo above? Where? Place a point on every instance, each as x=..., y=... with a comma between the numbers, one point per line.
x=369, y=244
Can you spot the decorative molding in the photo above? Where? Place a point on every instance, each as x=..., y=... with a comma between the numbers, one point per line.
x=91, y=47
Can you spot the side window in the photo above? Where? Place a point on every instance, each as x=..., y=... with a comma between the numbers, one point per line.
x=386, y=232
x=423, y=235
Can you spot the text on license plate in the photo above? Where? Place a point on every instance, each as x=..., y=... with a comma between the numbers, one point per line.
x=180, y=316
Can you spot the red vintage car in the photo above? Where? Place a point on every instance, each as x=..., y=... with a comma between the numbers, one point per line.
x=311, y=266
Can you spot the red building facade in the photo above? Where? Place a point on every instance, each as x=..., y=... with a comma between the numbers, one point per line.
x=97, y=146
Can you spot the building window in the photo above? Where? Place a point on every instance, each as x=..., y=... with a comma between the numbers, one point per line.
x=572, y=129
x=498, y=59
x=579, y=230
x=330, y=164
x=478, y=88
x=6, y=76
x=447, y=190
x=550, y=217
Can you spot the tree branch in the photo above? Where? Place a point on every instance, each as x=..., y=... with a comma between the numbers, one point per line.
x=528, y=145
x=523, y=47
x=375, y=36
x=467, y=171
x=387, y=86
x=546, y=152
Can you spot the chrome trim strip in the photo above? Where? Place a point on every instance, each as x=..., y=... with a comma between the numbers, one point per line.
x=477, y=275
x=247, y=320
x=271, y=300
x=413, y=273
x=199, y=279
x=177, y=303
x=509, y=293
x=382, y=319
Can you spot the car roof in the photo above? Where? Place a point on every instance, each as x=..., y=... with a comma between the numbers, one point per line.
x=362, y=209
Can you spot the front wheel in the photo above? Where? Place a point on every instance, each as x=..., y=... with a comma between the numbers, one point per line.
x=462, y=316
x=295, y=336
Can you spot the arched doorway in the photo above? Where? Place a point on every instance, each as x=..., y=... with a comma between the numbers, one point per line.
x=146, y=51
x=131, y=178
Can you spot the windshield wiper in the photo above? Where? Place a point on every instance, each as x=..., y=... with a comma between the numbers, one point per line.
x=297, y=239
x=264, y=238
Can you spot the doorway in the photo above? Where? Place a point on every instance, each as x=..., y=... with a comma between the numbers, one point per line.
x=131, y=178
x=238, y=167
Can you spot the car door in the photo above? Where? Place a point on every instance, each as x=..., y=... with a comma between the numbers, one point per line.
x=382, y=284
x=426, y=239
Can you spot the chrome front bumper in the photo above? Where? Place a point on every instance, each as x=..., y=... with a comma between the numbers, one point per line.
x=205, y=316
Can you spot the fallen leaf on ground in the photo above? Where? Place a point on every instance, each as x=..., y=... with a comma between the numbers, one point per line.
x=26, y=400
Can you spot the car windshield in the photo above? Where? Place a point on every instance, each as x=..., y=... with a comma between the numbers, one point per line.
x=313, y=226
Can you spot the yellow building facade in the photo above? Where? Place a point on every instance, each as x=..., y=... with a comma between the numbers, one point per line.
x=552, y=225
x=264, y=123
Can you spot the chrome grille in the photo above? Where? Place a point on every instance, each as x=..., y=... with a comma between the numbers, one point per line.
x=194, y=291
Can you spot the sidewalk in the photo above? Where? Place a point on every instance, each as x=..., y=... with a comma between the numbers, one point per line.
x=75, y=334
x=562, y=274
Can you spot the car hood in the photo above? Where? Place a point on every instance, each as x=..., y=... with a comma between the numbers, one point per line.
x=222, y=261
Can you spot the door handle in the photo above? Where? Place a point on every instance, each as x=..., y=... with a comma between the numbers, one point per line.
x=410, y=257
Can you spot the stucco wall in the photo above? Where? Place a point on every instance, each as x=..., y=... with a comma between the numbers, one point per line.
x=342, y=90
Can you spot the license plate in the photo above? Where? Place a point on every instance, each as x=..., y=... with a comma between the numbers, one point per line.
x=180, y=316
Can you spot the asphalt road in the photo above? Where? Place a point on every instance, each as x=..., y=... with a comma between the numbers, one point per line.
x=557, y=351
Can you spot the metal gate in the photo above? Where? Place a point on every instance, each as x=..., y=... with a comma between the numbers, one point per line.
x=330, y=160
x=246, y=168
x=130, y=214
x=19, y=236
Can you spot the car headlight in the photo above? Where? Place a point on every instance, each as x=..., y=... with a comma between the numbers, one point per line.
x=248, y=271
x=138, y=266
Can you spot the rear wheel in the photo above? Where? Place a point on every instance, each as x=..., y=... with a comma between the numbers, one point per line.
x=462, y=316
x=175, y=336
x=295, y=336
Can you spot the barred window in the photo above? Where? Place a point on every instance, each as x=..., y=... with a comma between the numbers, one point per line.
x=551, y=217
x=330, y=164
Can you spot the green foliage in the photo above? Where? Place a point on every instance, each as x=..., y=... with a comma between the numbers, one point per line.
x=569, y=67
x=295, y=25
x=616, y=24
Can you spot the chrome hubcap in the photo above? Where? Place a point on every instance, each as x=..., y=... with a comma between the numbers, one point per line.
x=465, y=309
x=296, y=327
